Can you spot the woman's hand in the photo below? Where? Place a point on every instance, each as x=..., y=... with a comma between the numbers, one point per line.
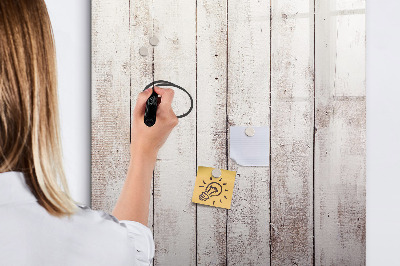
x=133, y=203
x=148, y=140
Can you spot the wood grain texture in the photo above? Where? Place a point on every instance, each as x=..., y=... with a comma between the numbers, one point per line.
x=211, y=122
x=236, y=58
x=175, y=172
x=110, y=100
x=141, y=67
x=340, y=133
x=248, y=104
x=292, y=121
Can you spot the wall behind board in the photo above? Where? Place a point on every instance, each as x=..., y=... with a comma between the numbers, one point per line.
x=383, y=131
x=71, y=26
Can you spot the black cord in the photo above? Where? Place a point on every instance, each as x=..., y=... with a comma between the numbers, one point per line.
x=170, y=84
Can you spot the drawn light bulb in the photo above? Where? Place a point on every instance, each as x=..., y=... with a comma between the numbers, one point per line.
x=213, y=189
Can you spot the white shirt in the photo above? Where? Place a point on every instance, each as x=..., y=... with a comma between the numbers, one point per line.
x=29, y=235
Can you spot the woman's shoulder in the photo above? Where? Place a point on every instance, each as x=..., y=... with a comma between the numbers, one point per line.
x=132, y=229
x=97, y=215
x=138, y=236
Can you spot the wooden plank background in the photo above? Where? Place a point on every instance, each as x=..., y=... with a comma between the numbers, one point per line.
x=295, y=66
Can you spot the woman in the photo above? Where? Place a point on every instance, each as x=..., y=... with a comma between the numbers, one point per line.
x=40, y=224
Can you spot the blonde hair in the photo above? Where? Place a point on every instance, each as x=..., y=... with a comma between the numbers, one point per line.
x=29, y=119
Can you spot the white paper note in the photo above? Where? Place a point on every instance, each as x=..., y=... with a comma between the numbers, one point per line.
x=249, y=151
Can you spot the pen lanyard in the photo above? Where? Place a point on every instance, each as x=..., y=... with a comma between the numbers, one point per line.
x=151, y=104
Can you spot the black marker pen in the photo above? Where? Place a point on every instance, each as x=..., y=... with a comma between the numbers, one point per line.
x=151, y=109
x=152, y=102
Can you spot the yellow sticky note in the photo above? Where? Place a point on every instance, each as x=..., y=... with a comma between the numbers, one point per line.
x=213, y=191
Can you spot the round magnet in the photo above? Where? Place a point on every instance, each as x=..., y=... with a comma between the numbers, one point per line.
x=153, y=40
x=249, y=131
x=216, y=173
x=143, y=51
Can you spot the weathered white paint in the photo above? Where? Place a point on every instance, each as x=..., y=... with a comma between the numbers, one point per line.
x=110, y=100
x=223, y=53
x=175, y=172
x=248, y=105
x=211, y=122
x=340, y=134
x=292, y=122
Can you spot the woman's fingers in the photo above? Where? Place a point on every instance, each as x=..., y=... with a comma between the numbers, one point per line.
x=141, y=102
x=167, y=95
x=164, y=110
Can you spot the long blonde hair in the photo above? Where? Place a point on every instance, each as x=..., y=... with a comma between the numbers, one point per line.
x=29, y=118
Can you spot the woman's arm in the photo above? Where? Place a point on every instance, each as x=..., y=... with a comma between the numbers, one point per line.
x=133, y=203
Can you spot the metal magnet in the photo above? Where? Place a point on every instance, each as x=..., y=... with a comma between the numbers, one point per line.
x=249, y=131
x=143, y=51
x=153, y=40
x=216, y=173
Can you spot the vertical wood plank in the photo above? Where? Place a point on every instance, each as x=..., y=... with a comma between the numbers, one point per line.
x=175, y=172
x=141, y=67
x=211, y=122
x=340, y=133
x=110, y=100
x=248, y=104
x=292, y=122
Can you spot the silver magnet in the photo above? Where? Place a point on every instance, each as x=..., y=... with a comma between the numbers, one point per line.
x=249, y=131
x=216, y=173
x=153, y=40
x=143, y=51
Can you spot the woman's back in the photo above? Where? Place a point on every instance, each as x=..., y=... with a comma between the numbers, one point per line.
x=88, y=237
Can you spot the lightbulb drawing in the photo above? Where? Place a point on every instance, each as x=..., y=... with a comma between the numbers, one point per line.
x=213, y=189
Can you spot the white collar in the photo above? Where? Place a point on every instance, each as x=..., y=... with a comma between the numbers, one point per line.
x=13, y=188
